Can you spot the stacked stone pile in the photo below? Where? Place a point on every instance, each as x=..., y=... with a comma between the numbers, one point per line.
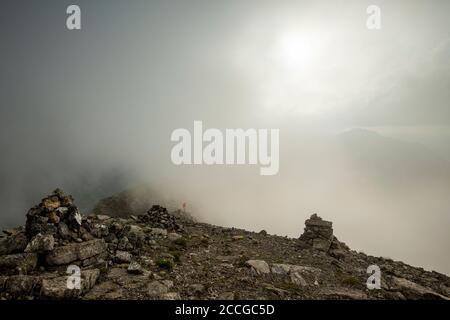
x=55, y=237
x=159, y=217
x=318, y=235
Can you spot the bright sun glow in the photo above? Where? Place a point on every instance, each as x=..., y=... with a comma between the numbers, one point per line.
x=293, y=69
x=295, y=50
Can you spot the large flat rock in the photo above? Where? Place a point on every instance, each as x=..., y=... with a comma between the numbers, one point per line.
x=412, y=290
x=57, y=288
x=76, y=252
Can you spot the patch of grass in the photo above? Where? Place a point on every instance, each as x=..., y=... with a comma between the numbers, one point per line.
x=351, y=281
x=176, y=255
x=291, y=287
x=164, y=264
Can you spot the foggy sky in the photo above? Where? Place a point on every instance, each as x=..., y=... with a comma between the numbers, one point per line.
x=92, y=111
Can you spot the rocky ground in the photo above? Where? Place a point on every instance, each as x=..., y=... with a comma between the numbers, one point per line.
x=162, y=255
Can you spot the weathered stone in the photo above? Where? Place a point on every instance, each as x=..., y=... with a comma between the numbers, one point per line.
x=445, y=290
x=344, y=294
x=53, y=217
x=321, y=244
x=297, y=279
x=58, y=288
x=159, y=217
x=229, y=259
x=318, y=234
x=41, y=243
x=111, y=238
x=135, y=268
x=412, y=290
x=103, y=217
x=37, y=223
x=123, y=256
x=12, y=231
x=21, y=262
x=171, y=296
x=89, y=278
x=116, y=228
x=97, y=261
x=305, y=270
x=295, y=272
x=124, y=244
x=2, y=282
x=158, y=232
x=66, y=200
x=280, y=268
x=338, y=249
x=105, y=291
x=135, y=235
x=62, y=212
x=63, y=231
x=157, y=288
x=14, y=243
x=87, y=236
x=173, y=236
x=21, y=285
x=316, y=221
x=75, y=251
x=74, y=218
x=124, y=279
x=226, y=296
x=51, y=203
x=99, y=230
x=259, y=266
x=277, y=291
x=196, y=289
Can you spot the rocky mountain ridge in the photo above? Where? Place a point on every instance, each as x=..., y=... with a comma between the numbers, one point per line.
x=61, y=254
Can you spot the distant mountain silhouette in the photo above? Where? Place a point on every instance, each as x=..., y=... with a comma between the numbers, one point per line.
x=387, y=158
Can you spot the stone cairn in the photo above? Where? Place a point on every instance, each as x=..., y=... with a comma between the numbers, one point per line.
x=55, y=216
x=55, y=237
x=318, y=235
x=159, y=217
